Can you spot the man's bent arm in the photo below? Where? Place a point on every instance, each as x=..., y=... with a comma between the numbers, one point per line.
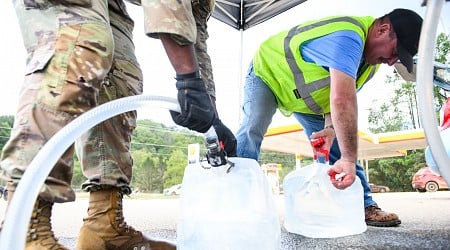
x=344, y=113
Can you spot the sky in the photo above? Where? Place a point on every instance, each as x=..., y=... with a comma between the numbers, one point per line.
x=230, y=51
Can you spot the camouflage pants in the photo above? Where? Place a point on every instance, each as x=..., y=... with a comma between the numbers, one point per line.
x=80, y=55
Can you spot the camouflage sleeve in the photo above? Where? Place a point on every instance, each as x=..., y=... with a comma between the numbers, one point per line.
x=202, y=10
x=42, y=4
x=170, y=16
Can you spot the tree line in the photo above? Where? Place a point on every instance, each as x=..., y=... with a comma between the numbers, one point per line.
x=159, y=154
x=160, y=157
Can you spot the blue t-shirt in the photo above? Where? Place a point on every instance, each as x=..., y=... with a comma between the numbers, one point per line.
x=341, y=50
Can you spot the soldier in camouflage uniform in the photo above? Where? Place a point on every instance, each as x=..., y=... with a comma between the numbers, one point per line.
x=80, y=55
x=186, y=48
x=187, y=34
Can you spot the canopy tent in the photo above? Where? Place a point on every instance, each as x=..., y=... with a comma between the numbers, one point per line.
x=244, y=14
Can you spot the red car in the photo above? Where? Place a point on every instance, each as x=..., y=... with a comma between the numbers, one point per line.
x=427, y=180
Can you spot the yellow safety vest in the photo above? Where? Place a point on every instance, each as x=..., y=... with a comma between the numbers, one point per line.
x=301, y=86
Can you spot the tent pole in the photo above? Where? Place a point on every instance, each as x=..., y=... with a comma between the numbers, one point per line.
x=241, y=60
x=241, y=75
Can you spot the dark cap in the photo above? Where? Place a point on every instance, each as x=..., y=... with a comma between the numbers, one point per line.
x=407, y=25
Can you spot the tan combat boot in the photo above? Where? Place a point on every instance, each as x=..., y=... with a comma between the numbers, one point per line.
x=105, y=228
x=40, y=235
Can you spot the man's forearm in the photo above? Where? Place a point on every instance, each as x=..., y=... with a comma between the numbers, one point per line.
x=345, y=123
x=344, y=113
x=182, y=57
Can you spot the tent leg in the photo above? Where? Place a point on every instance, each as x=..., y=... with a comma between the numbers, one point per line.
x=241, y=75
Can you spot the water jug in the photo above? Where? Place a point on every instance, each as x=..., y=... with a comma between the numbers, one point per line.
x=315, y=208
x=227, y=208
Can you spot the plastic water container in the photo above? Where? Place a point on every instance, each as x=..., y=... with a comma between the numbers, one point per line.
x=315, y=208
x=223, y=208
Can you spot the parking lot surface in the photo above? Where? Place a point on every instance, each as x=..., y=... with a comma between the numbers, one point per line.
x=425, y=222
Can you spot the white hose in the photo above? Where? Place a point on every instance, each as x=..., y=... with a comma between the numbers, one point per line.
x=425, y=93
x=15, y=226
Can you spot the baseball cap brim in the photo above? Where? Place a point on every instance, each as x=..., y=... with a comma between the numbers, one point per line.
x=405, y=57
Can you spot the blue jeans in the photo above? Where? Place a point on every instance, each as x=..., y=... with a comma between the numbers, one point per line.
x=259, y=106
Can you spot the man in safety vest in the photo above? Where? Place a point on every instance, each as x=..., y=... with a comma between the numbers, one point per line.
x=314, y=71
x=81, y=55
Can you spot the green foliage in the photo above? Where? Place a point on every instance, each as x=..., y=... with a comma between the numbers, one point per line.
x=385, y=118
x=400, y=112
x=78, y=177
x=287, y=161
x=397, y=172
x=147, y=176
x=442, y=53
x=175, y=168
x=160, y=154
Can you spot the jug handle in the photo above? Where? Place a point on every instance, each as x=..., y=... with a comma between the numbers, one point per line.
x=316, y=144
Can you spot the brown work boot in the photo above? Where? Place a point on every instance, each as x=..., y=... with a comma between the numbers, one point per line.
x=378, y=218
x=40, y=235
x=105, y=228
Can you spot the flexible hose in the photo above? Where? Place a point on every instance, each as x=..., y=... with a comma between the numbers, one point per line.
x=425, y=93
x=15, y=226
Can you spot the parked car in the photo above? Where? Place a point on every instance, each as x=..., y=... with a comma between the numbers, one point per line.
x=426, y=180
x=3, y=192
x=378, y=188
x=173, y=190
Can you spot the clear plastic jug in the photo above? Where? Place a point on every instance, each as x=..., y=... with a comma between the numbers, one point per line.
x=315, y=208
x=223, y=208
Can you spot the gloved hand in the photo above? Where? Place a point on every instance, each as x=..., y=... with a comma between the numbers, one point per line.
x=197, y=112
x=226, y=138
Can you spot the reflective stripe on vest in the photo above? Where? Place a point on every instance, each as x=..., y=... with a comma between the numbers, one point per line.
x=304, y=90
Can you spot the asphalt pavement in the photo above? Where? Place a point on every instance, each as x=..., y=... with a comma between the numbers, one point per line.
x=425, y=222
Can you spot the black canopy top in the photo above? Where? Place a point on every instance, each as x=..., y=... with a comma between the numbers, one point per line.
x=244, y=14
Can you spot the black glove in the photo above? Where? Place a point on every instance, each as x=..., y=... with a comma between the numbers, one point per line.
x=226, y=138
x=197, y=112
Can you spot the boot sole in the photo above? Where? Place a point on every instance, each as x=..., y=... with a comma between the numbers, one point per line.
x=392, y=223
